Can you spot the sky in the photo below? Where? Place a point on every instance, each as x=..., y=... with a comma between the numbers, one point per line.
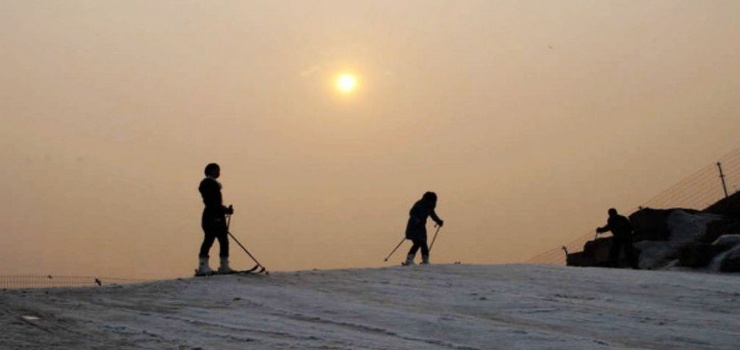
x=529, y=119
x=421, y=307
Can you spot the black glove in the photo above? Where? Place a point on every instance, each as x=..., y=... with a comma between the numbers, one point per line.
x=230, y=210
x=440, y=223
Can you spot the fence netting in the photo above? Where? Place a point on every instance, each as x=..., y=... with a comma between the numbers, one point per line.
x=697, y=191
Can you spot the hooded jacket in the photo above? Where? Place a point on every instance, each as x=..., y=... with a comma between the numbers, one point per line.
x=416, y=228
x=210, y=190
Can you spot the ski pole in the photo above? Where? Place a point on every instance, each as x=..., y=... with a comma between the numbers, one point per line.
x=394, y=249
x=250, y=255
x=228, y=221
x=435, y=237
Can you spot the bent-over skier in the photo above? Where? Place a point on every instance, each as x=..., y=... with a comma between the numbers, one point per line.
x=621, y=229
x=416, y=229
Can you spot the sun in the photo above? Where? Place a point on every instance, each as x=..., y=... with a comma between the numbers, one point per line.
x=346, y=83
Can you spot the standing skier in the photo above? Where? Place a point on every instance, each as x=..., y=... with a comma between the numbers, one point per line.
x=622, y=231
x=213, y=222
x=416, y=229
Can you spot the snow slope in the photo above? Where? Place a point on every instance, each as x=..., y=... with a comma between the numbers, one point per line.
x=417, y=307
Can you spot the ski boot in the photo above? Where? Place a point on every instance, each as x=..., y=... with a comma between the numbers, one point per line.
x=224, y=268
x=203, y=268
x=409, y=260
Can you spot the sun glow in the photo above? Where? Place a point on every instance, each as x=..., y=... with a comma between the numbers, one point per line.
x=346, y=83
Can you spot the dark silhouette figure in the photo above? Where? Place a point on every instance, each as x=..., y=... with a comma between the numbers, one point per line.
x=416, y=229
x=621, y=229
x=213, y=221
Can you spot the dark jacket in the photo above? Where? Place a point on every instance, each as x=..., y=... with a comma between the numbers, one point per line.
x=210, y=190
x=416, y=228
x=619, y=225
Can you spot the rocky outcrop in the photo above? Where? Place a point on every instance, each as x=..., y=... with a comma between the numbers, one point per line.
x=650, y=224
x=731, y=262
x=716, y=229
x=697, y=255
x=729, y=207
x=595, y=253
x=707, y=239
x=673, y=237
x=729, y=259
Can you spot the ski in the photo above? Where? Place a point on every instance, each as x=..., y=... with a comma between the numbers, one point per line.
x=256, y=269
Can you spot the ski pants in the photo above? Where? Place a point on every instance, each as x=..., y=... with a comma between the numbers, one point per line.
x=419, y=243
x=629, y=252
x=214, y=228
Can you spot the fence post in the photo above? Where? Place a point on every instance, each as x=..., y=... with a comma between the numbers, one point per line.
x=722, y=177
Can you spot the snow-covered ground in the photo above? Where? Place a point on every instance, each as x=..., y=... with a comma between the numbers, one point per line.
x=417, y=307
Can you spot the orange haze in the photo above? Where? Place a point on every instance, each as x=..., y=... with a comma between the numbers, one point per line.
x=528, y=118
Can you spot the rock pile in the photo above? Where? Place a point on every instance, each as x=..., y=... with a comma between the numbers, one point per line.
x=708, y=239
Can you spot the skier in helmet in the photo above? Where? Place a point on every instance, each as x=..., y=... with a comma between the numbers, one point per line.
x=213, y=222
x=416, y=229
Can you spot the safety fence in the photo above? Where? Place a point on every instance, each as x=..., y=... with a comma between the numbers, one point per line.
x=697, y=191
x=29, y=281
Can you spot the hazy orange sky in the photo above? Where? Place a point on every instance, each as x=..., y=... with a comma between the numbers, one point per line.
x=528, y=118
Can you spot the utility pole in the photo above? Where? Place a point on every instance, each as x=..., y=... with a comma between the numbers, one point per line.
x=722, y=177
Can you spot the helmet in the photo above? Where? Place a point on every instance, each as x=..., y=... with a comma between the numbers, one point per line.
x=211, y=167
x=429, y=197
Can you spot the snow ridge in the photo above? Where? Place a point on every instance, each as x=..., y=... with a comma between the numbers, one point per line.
x=419, y=307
